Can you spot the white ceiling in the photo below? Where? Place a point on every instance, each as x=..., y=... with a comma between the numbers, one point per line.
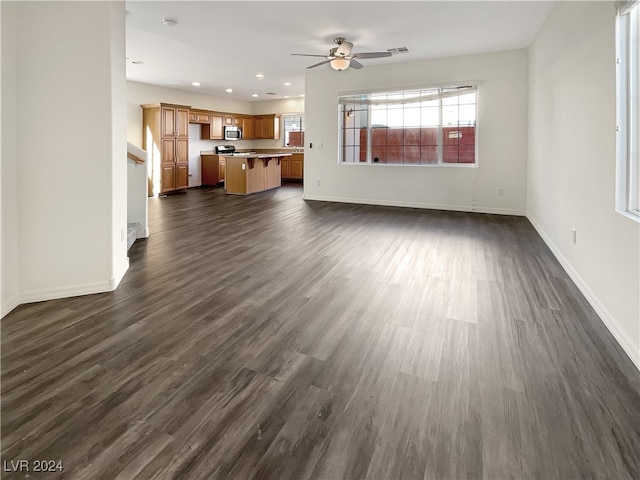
x=223, y=44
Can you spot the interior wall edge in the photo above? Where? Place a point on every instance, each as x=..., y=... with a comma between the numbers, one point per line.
x=8, y=305
x=614, y=327
x=426, y=206
x=119, y=272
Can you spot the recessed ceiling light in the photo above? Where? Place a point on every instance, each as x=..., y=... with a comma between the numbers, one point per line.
x=271, y=93
x=254, y=95
x=286, y=96
x=302, y=95
x=169, y=22
x=137, y=62
x=259, y=75
x=195, y=84
x=229, y=90
x=287, y=84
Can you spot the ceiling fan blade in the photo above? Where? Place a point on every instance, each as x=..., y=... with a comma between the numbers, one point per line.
x=308, y=55
x=372, y=55
x=318, y=64
x=355, y=64
x=344, y=49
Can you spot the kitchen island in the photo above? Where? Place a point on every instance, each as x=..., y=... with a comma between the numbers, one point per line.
x=252, y=173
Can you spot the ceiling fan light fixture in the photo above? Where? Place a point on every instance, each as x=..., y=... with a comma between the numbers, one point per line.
x=339, y=64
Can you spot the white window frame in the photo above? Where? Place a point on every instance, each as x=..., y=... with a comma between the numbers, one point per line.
x=473, y=86
x=627, y=106
x=284, y=132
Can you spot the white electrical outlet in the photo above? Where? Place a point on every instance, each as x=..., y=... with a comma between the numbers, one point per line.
x=500, y=191
x=574, y=235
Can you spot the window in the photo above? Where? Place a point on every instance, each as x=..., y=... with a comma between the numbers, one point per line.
x=427, y=126
x=293, y=128
x=627, y=100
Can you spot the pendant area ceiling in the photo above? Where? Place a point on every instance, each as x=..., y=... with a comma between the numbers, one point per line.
x=223, y=44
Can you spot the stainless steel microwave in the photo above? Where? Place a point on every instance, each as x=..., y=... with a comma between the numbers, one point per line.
x=232, y=133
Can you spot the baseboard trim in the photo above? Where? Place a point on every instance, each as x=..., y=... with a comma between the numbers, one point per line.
x=8, y=305
x=606, y=317
x=65, y=292
x=427, y=206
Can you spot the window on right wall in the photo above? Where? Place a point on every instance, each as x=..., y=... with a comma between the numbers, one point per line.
x=424, y=126
x=627, y=103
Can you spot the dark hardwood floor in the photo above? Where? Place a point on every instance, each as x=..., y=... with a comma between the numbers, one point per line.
x=265, y=337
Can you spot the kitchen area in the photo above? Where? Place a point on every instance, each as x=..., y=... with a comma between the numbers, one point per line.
x=242, y=153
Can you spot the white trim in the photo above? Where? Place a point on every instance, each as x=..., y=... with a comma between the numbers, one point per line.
x=66, y=291
x=9, y=305
x=426, y=206
x=632, y=351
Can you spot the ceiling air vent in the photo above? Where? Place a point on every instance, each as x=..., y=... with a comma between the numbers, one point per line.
x=398, y=50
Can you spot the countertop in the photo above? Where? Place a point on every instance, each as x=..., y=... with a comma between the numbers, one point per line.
x=284, y=153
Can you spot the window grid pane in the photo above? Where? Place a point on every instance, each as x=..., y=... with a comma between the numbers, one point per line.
x=427, y=126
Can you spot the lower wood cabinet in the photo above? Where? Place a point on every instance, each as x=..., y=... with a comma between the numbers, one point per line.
x=292, y=167
x=213, y=169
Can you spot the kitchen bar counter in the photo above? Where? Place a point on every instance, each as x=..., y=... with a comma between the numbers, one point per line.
x=252, y=173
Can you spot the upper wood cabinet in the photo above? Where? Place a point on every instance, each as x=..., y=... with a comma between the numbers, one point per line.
x=214, y=130
x=197, y=116
x=175, y=121
x=232, y=120
x=248, y=128
x=267, y=127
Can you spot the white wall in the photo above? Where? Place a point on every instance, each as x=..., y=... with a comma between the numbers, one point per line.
x=137, y=201
x=502, y=137
x=70, y=194
x=115, y=45
x=571, y=170
x=8, y=171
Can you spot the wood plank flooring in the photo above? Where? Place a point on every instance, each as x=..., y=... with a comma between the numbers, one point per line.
x=265, y=337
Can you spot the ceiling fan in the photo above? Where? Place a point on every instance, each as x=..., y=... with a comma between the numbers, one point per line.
x=340, y=57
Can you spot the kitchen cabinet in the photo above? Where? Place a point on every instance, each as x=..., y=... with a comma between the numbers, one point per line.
x=232, y=120
x=214, y=130
x=213, y=169
x=248, y=125
x=267, y=127
x=196, y=116
x=222, y=168
x=292, y=167
x=167, y=126
x=254, y=173
x=296, y=166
